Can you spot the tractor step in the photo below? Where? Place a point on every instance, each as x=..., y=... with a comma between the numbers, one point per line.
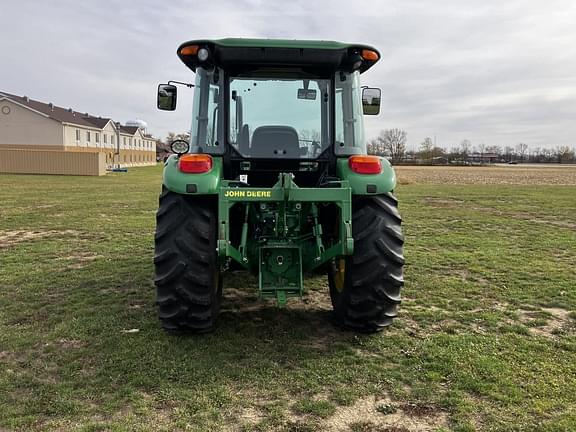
x=280, y=274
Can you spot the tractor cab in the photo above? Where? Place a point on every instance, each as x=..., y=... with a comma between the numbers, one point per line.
x=270, y=106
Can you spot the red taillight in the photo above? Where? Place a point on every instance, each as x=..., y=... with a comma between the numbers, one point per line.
x=365, y=164
x=195, y=163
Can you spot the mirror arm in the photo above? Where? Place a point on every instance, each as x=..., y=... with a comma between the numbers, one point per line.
x=183, y=83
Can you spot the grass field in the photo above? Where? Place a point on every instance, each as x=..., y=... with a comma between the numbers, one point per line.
x=486, y=339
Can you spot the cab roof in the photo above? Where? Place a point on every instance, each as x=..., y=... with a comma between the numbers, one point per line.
x=238, y=53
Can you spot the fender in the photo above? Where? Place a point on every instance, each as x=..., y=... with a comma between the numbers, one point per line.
x=192, y=184
x=368, y=184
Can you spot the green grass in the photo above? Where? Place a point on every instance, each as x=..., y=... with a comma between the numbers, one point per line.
x=485, y=337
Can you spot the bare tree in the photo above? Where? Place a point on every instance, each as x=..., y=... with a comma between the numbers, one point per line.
x=496, y=149
x=375, y=147
x=482, y=149
x=522, y=148
x=564, y=154
x=393, y=143
x=509, y=153
x=454, y=153
x=465, y=145
x=309, y=135
x=172, y=137
x=426, y=148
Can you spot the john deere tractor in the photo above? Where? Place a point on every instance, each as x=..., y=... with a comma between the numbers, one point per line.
x=275, y=180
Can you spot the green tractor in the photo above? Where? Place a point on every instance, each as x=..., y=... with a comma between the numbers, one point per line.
x=276, y=180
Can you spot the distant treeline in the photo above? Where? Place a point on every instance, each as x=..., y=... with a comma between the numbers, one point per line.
x=391, y=143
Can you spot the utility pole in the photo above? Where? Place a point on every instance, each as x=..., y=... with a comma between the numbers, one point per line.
x=118, y=125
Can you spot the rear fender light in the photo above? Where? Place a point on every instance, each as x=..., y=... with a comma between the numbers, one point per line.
x=195, y=163
x=365, y=164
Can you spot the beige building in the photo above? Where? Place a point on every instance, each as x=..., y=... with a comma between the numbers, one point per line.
x=28, y=127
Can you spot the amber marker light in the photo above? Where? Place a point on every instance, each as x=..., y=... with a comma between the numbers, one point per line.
x=189, y=50
x=365, y=164
x=195, y=163
x=369, y=55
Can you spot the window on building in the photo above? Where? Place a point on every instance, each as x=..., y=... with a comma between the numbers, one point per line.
x=77, y=134
x=88, y=136
x=124, y=141
x=97, y=137
x=105, y=138
x=112, y=139
x=130, y=142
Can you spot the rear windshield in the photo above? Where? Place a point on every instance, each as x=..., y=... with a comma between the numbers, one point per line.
x=275, y=118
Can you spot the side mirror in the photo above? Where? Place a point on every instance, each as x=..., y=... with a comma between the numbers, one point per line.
x=166, y=97
x=371, y=101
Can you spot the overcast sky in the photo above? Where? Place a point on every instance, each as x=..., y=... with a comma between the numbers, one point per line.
x=492, y=71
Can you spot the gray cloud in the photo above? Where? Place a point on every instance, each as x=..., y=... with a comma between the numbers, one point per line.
x=493, y=72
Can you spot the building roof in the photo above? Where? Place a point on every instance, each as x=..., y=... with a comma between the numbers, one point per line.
x=66, y=115
x=62, y=115
x=99, y=122
x=129, y=129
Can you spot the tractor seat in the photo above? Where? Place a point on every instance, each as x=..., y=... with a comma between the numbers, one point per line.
x=275, y=142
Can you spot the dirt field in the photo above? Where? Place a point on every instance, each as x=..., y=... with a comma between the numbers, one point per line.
x=497, y=174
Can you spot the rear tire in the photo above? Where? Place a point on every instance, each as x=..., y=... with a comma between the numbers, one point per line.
x=187, y=277
x=365, y=288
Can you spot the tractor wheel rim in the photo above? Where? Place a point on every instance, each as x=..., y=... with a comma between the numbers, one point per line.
x=340, y=275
